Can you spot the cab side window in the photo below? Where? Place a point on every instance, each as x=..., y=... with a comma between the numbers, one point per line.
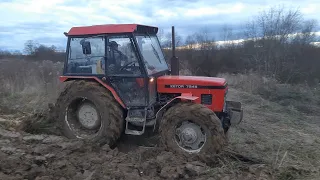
x=82, y=61
x=121, y=58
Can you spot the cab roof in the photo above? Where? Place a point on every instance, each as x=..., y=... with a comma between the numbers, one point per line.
x=111, y=29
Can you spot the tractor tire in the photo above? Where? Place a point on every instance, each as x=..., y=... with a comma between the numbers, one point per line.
x=108, y=110
x=207, y=121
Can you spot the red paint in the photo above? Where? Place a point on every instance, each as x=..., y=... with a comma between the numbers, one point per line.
x=104, y=29
x=217, y=94
x=63, y=78
x=187, y=96
x=183, y=97
x=193, y=80
x=114, y=93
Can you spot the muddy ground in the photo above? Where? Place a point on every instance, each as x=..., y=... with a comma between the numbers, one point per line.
x=273, y=142
x=25, y=156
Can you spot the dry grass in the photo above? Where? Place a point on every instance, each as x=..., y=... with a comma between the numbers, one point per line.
x=300, y=98
x=281, y=134
x=27, y=85
x=30, y=86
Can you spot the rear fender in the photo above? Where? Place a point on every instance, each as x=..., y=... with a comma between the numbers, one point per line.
x=183, y=97
x=113, y=92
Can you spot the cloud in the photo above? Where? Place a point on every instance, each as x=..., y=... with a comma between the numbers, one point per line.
x=45, y=21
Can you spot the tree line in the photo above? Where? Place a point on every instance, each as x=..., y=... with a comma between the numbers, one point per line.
x=34, y=51
x=277, y=44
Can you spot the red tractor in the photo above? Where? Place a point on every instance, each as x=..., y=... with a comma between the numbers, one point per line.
x=118, y=82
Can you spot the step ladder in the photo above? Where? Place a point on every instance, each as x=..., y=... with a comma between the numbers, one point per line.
x=136, y=115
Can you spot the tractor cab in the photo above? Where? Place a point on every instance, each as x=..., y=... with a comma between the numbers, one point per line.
x=126, y=57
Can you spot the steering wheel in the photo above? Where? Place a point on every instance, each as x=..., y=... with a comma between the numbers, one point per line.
x=127, y=64
x=89, y=61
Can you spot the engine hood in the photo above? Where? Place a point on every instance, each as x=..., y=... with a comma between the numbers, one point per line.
x=192, y=82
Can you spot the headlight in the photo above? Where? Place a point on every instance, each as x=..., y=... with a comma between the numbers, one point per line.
x=151, y=79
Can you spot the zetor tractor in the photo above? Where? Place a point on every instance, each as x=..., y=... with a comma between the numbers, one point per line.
x=118, y=81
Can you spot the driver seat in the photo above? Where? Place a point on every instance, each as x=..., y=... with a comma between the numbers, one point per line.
x=99, y=67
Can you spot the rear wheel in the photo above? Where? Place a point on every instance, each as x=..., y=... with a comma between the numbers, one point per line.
x=88, y=111
x=192, y=129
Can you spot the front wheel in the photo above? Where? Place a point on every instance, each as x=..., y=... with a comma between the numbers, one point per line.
x=192, y=129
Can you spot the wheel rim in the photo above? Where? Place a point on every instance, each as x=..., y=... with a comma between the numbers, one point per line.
x=190, y=137
x=88, y=116
x=83, y=118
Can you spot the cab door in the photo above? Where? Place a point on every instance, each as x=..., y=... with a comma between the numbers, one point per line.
x=124, y=71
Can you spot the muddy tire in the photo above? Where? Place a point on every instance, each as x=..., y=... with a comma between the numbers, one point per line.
x=107, y=110
x=214, y=139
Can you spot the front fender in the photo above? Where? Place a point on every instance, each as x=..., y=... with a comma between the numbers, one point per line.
x=182, y=97
x=186, y=96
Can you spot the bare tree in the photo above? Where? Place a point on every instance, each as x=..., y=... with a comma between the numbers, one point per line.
x=226, y=33
x=160, y=35
x=278, y=45
x=204, y=40
x=202, y=47
x=306, y=35
x=273, y=32
x=227, y=36
x=168, y=39
x=30, y=47
x=190, y=42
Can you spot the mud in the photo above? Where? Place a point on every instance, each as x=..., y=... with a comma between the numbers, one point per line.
x=42, y=155
x=28, y=156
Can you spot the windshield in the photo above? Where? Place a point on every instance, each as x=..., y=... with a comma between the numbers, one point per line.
x=152, y=54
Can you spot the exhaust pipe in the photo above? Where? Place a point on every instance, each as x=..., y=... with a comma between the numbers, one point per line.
x=174, y=59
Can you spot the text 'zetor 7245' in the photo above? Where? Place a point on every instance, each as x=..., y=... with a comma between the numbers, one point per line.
x=118, y=81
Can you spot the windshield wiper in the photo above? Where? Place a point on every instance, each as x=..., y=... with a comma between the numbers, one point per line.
x=155, y=52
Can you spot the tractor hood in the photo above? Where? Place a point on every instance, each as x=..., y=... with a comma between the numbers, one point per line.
x=191, y=82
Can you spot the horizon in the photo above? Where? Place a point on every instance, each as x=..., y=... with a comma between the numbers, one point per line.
x=45, y=22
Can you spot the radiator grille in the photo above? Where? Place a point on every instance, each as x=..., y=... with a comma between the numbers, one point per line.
x=206, y=99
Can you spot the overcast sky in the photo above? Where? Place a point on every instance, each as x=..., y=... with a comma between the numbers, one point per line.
x=45, y=20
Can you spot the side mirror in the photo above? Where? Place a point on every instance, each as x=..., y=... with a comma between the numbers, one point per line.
x=86, y=47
